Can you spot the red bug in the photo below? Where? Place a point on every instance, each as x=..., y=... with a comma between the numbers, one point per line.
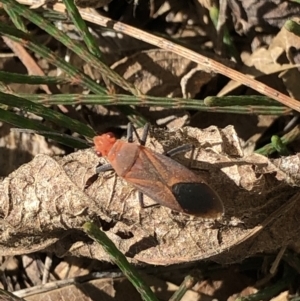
x=161, y=178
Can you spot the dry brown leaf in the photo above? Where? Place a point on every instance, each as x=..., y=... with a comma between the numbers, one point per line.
x=274, y=59
x=163, y=73
x=18, y=148
x=116, y=288
x=100, y=289
x=254, y=15
x=284, y=296
x=287, y=44
x=45, y=202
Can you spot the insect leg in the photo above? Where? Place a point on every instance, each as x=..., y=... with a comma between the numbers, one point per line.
x=131, y=129
x=103, y=168
x=145, y=134
x=182, y=149
x=99, y=169
x=141, y=201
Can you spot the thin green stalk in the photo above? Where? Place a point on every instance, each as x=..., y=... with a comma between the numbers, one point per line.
x=25, y=123
x=53, y=134
x=248, y=110
x=227, y=40
x=273, y=290
x=177, y=103
x=28, y=42
x=49, y=114
x=291, y=136
x=82, y=28
x=75, y=75
x=15, y=18
x=187, y=284
x=240, y=100
x=69, y=43
x=292, y=26
x=279, y=146
x=9, y=77
x=120, y=260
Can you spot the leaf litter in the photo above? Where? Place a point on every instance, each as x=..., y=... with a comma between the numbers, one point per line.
x=46, y=200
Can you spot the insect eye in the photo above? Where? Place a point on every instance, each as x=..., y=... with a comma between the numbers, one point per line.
x=110, y=135
x=99, y=154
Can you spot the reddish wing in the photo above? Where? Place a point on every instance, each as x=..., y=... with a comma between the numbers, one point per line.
x=172, y=185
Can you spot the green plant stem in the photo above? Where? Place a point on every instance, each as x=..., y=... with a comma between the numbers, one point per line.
x=291, y=136
x=293, y=27
x=227, y=40
x=280, y=147
x=177, y=103
x=187, y=284
x=16, y=19
x=9, y=77
x=49, y=114
x=76, y=75
x=272, y=290
x=82, y=28
x=25, y=123
x=69, y=43
x=240, y=100
x=119, y=259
